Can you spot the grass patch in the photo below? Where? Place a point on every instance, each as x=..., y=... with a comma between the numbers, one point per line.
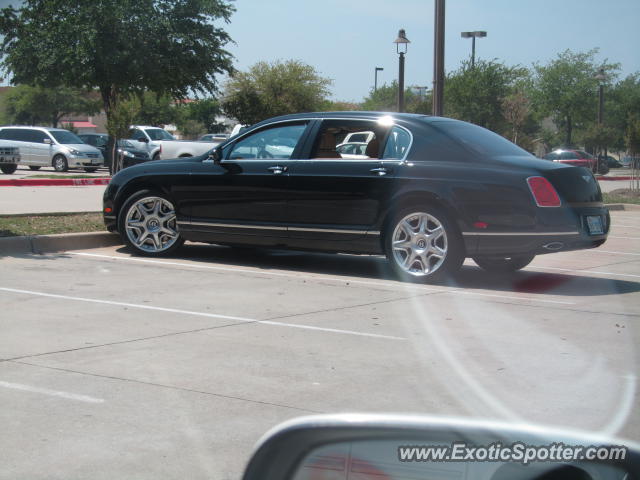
x=12, y=226
x=622, y=195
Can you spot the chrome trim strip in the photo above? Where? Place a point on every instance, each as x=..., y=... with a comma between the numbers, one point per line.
x=274, y=227
x=522, y=234
x=234, y=225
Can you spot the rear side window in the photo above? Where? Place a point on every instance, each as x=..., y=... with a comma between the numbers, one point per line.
x=398, y=143
x=551, y=156
x=16, y=134
x=568, y=156
x=480, y=140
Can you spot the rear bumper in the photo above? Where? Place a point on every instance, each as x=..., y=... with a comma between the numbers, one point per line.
x=546, y=238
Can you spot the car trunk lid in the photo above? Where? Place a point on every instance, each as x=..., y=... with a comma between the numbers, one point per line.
x=575, y=184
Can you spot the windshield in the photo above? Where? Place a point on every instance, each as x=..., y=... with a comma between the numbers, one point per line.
x=159, y=134
x=65, y=138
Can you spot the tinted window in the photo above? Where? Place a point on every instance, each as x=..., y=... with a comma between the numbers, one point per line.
x=480, y=140
x=16, y=134
x=36, y=136
x=585, y=155
x=136, y=134
x=65, y=137
x=397, y=145
x=276, y=142
x=159, y=134
x=551, y=156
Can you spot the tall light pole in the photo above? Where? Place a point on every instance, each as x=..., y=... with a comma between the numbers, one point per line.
x=438, y=59
x=473, y=36
x=375, y=78
x=401, y=48
x=601, y=77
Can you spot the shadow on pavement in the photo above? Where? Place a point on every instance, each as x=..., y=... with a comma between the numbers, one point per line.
x=376, y=268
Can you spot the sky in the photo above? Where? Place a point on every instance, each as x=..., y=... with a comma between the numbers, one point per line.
x=346, y=39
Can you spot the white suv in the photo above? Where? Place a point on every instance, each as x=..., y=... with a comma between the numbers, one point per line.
x=51, y=147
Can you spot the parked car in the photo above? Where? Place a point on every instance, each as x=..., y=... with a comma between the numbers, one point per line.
x=612, y=162
x=9, y=157
x=162, y=145
x=52, y=147
x=214, y=137
x=353, y=150
x=630, y=162
x=131, y=152
x=431, y=192
x=578, y=158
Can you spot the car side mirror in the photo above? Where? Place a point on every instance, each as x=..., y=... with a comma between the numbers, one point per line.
x=215, y=156
x=47, y=141
x=397, y=447
x=143, y=139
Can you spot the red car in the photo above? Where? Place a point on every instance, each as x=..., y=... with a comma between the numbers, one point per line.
x=577, y=158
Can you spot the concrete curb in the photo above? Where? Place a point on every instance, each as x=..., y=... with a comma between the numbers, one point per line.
x=47, y=214
x=622, y=207
x=54, y=182
x=40, y=244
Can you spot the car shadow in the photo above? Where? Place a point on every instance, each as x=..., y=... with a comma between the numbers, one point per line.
x=372, y=267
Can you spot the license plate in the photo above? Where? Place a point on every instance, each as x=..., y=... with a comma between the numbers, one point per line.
x=594, y=224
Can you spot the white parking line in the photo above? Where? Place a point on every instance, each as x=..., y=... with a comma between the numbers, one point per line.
x=396, y=285
x=624, y=238
x=589, y=271
x=199, y=314
x=624, y=226
x=618, y=253
x=51, y=393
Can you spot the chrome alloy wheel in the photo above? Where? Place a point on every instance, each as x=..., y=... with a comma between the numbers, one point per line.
x=151, y=224
x=419, y=244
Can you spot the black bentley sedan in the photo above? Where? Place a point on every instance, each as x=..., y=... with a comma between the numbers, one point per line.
x=427, y=192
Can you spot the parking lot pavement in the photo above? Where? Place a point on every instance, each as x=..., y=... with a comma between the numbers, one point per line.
x=24, y=171
x=22, y=200
x=174, y=367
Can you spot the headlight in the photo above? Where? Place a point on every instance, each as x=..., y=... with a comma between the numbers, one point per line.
x=74, y=152
x=128, y=154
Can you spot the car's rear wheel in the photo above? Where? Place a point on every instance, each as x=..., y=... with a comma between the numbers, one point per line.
x=422, y=244
x=34, y=167
x=147, y=223
x=60, y=163
x=8, y=168
x=503, y=264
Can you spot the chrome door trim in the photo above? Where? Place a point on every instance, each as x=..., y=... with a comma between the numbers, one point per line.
x=279, y=227
x=509, y=234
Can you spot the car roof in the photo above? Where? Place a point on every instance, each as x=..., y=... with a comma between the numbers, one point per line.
x=35, y=127
x=358, y=115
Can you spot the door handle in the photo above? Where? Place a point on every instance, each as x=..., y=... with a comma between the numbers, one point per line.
x=278, y=169
x=380, y=171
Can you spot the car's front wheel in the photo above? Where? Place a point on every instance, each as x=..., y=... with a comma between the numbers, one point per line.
x=503, y=264
x=422, y=244
x=60, y=163
x=147, y=223
x=90, y=169
x=9, y=168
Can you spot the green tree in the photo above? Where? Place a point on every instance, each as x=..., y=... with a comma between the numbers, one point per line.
x=270, y=89
x=385, y=99
x=621, y=102
x=566, y=89
x=119, y=47
x=515, y=109
x=476, y=94
x=156, y=110
x=46, y=106
x=204, y=112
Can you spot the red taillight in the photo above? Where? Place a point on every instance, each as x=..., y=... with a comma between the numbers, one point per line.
x=543, y=192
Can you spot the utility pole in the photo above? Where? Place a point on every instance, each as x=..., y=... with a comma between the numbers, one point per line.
x=438, y=59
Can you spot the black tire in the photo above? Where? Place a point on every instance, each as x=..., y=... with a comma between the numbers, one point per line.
x=59, y=163
x=603, y=168
x=90, y=169
x=156, y=156
x=159, y=243
x=438, y=266
x=8, y=168
x=34, y=167
x=503, y=264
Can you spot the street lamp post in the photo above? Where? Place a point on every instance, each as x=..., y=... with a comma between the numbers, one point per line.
x=401, y=50
x=473, y=36
x=601, y=77
x=375, y=78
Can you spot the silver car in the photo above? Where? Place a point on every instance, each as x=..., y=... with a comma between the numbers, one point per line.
x=52, y=147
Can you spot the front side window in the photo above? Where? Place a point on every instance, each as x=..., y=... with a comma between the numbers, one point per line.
x=64, y=137
x=276, y=142
x=568, y=156
x=398, y=144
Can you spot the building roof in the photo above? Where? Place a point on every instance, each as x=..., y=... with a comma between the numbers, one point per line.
x=83, y=125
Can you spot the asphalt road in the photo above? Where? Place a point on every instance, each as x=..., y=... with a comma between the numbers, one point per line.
x=114, y=366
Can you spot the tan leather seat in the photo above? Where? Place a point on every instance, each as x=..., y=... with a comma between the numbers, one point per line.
x=373, y=148
x=327, y=147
